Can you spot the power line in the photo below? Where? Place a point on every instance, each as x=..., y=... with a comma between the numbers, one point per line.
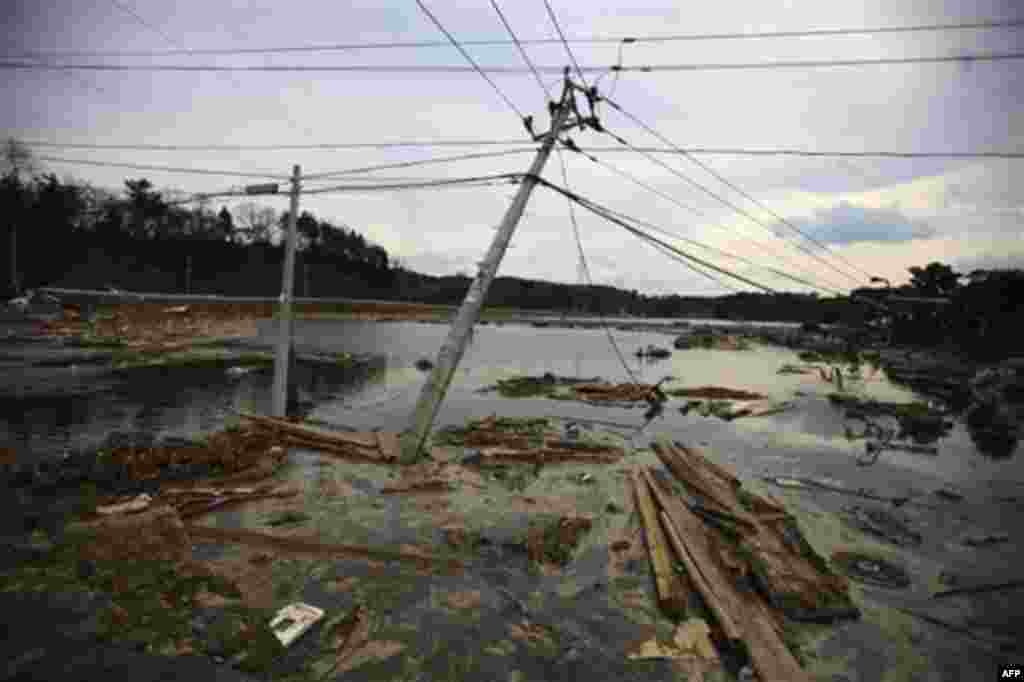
x=732, y=185
x=536, y=41
x=572, y=57
x=410, y=164
x=510, y=70
x=477, y=181
x=721, y=252
x=720, y=151
x=586, y=271
x=162, y=169
x=476, y=67
x=151, y=27
x=234, y=81
x=522, y=51
x=669, y=197
x=597, y=209
x=718, y=198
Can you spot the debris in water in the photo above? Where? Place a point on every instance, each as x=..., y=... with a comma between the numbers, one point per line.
x=949, y=494
x=883, y=524
x=986, y=540
x=715, y=393
x=872, y=570
x=135, y=504
x=294, y=620
x=652, y=351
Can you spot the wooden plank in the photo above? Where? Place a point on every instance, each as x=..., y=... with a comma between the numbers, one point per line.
x=366, y=440
x=729, y=627
x=698, y=455
x=309, y=546
x=339, y=449
x=671, y=594
x=714, y=587
x=771, y=658
x=745, y=616
x=713, y=489
x=390, y=446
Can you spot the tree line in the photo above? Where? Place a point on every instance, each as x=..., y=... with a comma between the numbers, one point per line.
x=71, y=234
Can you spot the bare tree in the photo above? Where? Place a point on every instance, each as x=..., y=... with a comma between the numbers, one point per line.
x=254, y=222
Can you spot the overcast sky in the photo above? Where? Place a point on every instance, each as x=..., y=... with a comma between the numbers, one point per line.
x=880, y=215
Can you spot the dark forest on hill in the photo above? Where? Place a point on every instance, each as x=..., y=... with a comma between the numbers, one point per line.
x=66, y=234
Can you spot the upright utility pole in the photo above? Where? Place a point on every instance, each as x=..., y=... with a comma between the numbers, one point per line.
x=283, y=357
x=451, y=352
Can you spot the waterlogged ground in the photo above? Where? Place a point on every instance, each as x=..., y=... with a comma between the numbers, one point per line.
x=502, y=617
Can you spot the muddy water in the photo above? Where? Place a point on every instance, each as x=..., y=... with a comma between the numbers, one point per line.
x=582, y=608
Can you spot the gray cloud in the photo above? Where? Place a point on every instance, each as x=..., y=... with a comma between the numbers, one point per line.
x=989, y=261
x=846, y=223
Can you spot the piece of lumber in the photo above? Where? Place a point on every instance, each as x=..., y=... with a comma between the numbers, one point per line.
x=366, y=440
x=303, y=546
x=338, y=449
x=697, y=455
x=745, y=615
x=707, y=578
x=712, y=488
x=389, y=445
x=671, y=594
x=729, y=627
x=771, y=658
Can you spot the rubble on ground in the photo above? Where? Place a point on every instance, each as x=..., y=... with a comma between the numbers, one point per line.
x=652, y=351
x=710, y=339
x=741, y=553
x=144, y=326
x=503, y=440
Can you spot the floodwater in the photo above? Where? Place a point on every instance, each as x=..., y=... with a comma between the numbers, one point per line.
x=188, y=402
x=807, y=440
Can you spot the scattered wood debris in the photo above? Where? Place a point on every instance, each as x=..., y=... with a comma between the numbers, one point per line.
x=303, y=546
x=742, y=554
x=615, y=392
x=382, y=448
x=715, y=393
x=502, y=441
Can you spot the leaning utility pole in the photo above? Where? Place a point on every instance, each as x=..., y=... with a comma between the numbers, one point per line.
x=283, y=357
x=451, y=352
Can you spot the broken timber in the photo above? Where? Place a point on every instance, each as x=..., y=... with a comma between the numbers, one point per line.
x=740, y=616
x=374, y=446
x=304, y=546
x=711, y=482
x=671, y=592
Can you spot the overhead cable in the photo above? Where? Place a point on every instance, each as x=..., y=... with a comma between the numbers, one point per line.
x=733, y=186
x=510, y=70
x=586, y=272
x=596, y=40
x=476, y=67
x=162, y=169
x=723, y=253
x=410, y=164
x=679, y=174
x=637, y=181
x=482, y=180
x=522, y=51
x=720, y=151
x=561, y=36
x=597, y=209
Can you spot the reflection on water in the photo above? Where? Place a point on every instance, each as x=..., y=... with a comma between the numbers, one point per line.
x=189, y=402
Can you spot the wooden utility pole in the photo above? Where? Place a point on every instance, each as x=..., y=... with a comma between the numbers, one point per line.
x=451, y=352
x=283, y=357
